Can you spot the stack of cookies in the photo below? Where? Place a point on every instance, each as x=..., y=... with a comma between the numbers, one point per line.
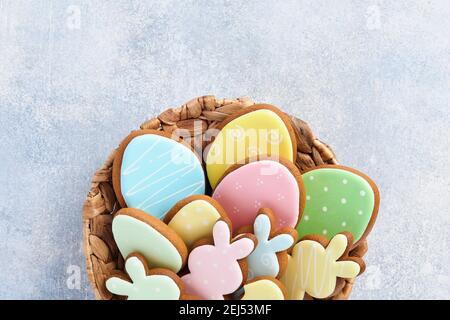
x=235, y=219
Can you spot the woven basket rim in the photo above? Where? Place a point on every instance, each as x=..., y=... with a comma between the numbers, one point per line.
x=101, y=253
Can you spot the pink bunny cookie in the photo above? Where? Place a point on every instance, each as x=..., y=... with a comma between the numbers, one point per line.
x=214, y=269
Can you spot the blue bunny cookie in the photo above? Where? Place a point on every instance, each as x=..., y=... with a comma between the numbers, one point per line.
x=152, y=172
x=269, y=259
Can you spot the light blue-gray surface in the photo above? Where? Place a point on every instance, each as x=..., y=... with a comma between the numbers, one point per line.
x=372, y=77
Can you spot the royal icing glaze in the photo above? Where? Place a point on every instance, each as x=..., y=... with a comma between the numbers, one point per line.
x=260, y=132
x=263, y=260
x=157, y=172
x=194, y=221
x=337, y=200
x=263, y=289
x=142, y=286
x=314, y=269
x=260, y=184
x=214, y=269
x=134, y=235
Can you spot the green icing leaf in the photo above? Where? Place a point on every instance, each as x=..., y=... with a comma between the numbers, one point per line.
x=337, y=200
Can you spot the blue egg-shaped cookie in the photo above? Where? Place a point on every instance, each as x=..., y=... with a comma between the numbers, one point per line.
x=152, y=172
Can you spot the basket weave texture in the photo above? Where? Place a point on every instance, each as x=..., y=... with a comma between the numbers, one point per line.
x=101, y=252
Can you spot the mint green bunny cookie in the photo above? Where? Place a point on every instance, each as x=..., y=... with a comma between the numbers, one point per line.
x=156, y=284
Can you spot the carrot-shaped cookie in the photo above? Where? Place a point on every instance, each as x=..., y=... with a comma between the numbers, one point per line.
x=314, y=267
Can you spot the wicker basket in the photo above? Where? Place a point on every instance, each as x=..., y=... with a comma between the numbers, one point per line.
x=102, y=255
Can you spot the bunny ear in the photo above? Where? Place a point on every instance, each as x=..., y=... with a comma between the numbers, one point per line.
x=262, y=227
x=347, y=269
x=221, y=234
x=337, y=246
x=242, y=248
x=281, y=242
x=119, y=286
x=135, y=269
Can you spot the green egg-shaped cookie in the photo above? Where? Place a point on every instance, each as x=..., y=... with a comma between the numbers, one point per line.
x=338, y=199
x=136, y=231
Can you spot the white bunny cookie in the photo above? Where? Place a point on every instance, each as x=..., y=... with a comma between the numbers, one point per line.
x=145, y=284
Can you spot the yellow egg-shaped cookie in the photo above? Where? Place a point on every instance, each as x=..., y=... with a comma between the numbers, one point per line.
x=264, y=289
x=258, y=131
x=194, y=218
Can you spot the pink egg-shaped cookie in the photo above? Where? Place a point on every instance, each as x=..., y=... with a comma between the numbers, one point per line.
x=262, y=184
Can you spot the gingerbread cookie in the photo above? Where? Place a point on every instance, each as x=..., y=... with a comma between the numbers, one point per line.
x=316, y=264
x=270, y=255
x=338, y=199
x=136, y=231
x=262, y=184
x=264, y=288
x=152, y=172
x=144, y=284
x=259, y=130
x=214, y=269
x=193, y=218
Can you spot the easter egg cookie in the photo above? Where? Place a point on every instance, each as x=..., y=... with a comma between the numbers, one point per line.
x=259, y=130
x=316, y=264
x=338, y=199
x=270, y=255
x=262, y=184
x=214, y=269
x=193, y=218
x=142, y=283
x=136, y=231
x=264, y=288
x=152, y=172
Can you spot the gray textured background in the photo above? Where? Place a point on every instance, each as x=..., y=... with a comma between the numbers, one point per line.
x=372, y=77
